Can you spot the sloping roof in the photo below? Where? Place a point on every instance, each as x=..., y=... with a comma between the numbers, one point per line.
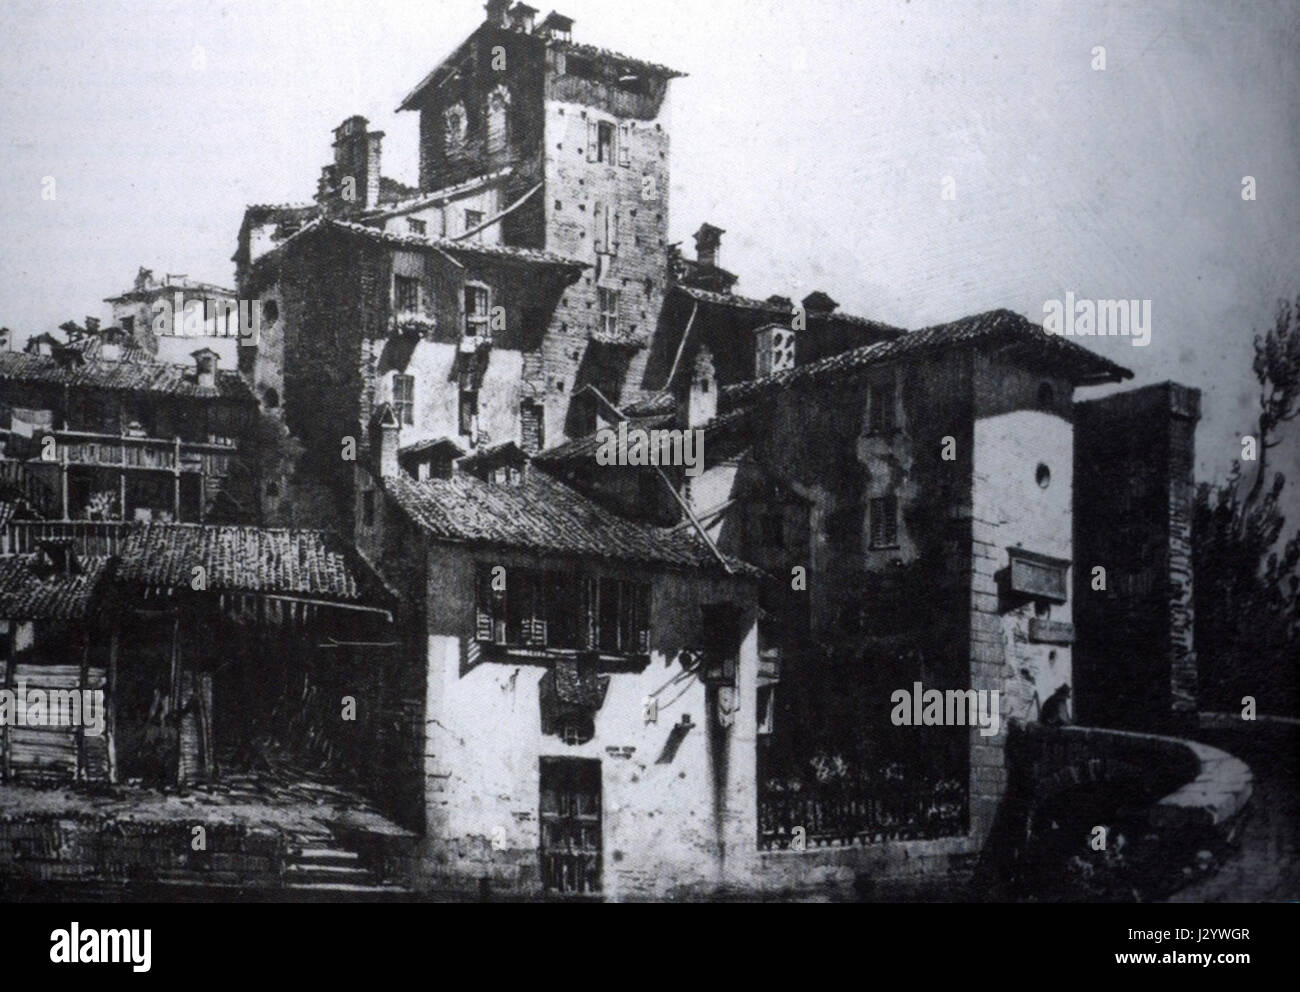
x=466, y=247
x=131, y=376
x=540, y=514
x=781, y=313
x=583, y=448
x=245, y=559
x=27, y=592
x=996, y=327
x=170, y=285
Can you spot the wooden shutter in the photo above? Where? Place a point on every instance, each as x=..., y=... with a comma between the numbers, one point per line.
x=625, y=144
x=593, y=141
x=483, y=624
x=599, y=213
x=641, y=603
x=587, y=615
x=611, y=229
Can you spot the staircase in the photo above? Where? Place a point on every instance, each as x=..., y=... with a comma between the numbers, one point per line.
x=320, y=869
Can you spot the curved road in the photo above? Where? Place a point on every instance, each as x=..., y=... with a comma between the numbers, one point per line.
x=1266, y=867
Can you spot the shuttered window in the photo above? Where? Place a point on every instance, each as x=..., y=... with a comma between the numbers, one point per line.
x=884, y=522
x=538, y=609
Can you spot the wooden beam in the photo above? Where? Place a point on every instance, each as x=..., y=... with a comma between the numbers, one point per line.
x=110, y=702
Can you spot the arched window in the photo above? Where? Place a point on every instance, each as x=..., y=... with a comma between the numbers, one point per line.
x=454, y=125
x=498, y=120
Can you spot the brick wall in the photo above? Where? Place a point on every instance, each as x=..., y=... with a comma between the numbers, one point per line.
x=1134, y=458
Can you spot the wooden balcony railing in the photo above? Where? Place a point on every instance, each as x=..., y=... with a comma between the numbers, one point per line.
x=143, y=453
x=89, y=537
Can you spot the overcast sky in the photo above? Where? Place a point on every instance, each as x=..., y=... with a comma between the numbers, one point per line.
x=818, y=134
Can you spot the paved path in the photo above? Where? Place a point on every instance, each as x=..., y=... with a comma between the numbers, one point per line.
x=1267, y=866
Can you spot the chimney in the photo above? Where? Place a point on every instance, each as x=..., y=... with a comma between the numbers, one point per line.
x=496, y=12
x=556, y=27
x=521, y=17
x=708, y=240
x=697, y=399
x=143, y=279
x=357, y=155
x=819, y=302
x=205, y=364
x=385, y=433
x=60, y=556
x=774, y=350
x=110, y=347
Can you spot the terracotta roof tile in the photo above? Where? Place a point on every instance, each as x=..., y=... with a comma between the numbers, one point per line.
x=29, y=592
x=541, y=514
x=247, y=559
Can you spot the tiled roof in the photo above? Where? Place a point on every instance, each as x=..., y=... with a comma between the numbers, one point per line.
x=776, y=310
x=132, y=376
x=994, y=327
x=592, y=52
x=171, y=285
x=540, y=514
x=583, y=448
x=244, y=559
x=506, y=252
x=28, y=592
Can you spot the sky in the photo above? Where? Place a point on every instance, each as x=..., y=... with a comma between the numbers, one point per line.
x=820, y=135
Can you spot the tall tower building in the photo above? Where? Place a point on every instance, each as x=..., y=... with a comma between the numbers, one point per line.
x=561, y=147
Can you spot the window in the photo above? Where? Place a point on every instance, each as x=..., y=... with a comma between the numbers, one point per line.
x=128, y=325
x=406, y=294
x=468, y=411
x=531, y=426
x=1043, y=476
x=625, y=144
x=882, y=408
x=605, y=142
x=417, y=226
x=884, y=522
x=404, y=398
x=454, y=126
x=608, y=311
x=498, y=120
x=477, y=323
x=605, y=219
x=271, y=311
x=473, y=218
x=368, y=507
x=563, y=610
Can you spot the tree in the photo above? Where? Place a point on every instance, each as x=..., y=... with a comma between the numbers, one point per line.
x=1246, y=582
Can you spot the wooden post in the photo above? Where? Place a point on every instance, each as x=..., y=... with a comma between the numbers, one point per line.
x=83, y=683
x=63, y=478
x=176, y=691
x=176, y=471
x=110, y=699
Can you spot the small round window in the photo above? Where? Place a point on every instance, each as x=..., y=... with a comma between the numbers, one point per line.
x=271, y=311
x=1043, y=476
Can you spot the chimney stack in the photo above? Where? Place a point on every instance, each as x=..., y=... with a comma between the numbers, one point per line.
x=708, y=242
x=385, y=434
x=556, y=27
x=819, y=302
x=358, y=153
x=521, y=17
x=697, y=398
x=496, y=12
x=205, y=364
